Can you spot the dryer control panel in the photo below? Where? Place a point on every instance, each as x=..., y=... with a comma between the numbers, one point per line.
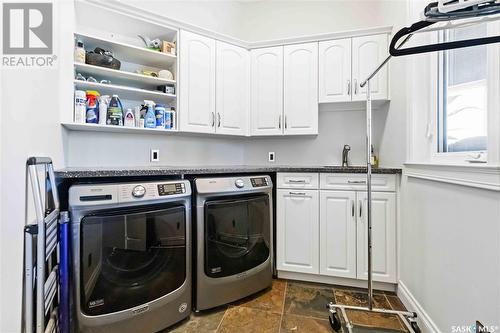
x=171, y=188
x=259, y=182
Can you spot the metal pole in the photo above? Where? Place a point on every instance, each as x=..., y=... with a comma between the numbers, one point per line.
x=386, y=60
x=369, y=190
x=369, y=169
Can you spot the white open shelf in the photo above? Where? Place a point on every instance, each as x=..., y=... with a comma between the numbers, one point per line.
x=128, y=52
x=117, y=76
x=116, y=129
x=124, y=92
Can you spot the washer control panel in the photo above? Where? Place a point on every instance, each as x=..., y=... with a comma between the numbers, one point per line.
x=171, y=188
x=259, y=182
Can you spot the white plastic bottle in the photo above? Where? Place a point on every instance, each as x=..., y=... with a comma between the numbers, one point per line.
x=129, y=118
x=79, y=53
x=80, y=107
x=103, y=109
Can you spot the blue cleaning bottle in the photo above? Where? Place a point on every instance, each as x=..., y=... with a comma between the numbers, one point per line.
x=149, y=117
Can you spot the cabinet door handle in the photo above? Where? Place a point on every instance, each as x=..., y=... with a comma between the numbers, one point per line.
x=355, y=86
x=279, y=122
x=218, y=121
x=298, y=193
x=300, y=181
x=348, y=87
x=356, y=182
x=286, y=123
x=213, y=119
x=352, y=208
x=360, y=203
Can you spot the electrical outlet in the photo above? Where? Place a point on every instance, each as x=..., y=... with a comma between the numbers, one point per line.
x=271, y=156
x=155, y=155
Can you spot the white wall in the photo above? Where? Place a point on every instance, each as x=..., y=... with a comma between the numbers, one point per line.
x=450, y=252
x=29, y=126
x=450, y=234
x=122, y=150
x=324, y=149
x=265, y=20
x=219, y=16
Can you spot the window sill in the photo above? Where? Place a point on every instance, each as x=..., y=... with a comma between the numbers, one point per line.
x=471, y=175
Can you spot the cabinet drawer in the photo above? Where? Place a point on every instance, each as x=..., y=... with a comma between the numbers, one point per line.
x=298, y=180
x=353, y=181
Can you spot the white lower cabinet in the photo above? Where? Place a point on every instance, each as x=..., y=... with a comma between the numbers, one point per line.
x=297, y=229
x=324, y=232
x=383, y=236
x=344, y=230
x=337, y=233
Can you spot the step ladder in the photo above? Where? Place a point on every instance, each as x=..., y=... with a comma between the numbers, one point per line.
x=41, y=256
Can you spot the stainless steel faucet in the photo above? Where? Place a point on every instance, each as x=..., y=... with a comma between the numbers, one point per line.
x=345, y=155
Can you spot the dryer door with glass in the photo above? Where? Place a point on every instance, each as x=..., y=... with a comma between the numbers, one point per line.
x=237, y=234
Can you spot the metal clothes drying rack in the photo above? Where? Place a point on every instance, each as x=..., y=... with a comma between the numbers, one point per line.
x=442, y=11
x=407, y=317
x=41, y=260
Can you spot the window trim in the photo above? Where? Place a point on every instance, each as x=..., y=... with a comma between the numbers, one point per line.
x=436, y=94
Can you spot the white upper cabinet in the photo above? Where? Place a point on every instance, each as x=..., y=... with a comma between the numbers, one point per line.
x=383, y=236
x=267, y=91
x=368, y=52
x=335, y=71
x=297, y=231
x=338, y=233
x=301, y=89
x=233, y=91
x=197, y=83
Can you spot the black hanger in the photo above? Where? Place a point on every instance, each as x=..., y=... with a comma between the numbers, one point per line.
x=434, y=16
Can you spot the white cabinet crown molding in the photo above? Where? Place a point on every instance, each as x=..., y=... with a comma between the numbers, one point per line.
x=479, y=176
x=167, y=21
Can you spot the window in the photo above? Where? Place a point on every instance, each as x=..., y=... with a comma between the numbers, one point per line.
x=463, y=86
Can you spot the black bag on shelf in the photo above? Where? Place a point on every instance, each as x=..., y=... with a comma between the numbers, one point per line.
x=103, y=58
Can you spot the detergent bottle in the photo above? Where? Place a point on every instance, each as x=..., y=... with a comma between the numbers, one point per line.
x=92, y=111
x=149, y=117
x=115, y=112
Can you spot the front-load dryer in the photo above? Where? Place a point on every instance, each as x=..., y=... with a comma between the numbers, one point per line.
x=131, y=256
x=234, y=252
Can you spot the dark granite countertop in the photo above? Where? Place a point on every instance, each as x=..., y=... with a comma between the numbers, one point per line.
x=98, y=172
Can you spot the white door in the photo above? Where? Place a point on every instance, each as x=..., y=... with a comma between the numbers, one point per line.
x=197, y=83
x=337, y=233
x=368, y=52
x=301, y=88
x=383, y=236
x=267, y=91
x=233, y=92
x=335, y=71
x=297, y=234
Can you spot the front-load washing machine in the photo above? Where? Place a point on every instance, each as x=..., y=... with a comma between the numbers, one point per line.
x=131, y=256
x=234, y=252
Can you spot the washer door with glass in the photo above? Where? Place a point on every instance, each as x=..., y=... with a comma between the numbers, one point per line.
x=129, y=257
x=237, y=235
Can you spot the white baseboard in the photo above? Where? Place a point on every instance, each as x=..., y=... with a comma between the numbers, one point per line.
x=334, y=280
x=423, y=319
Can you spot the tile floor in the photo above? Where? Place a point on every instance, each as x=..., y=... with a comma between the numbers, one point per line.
x=290, y=306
